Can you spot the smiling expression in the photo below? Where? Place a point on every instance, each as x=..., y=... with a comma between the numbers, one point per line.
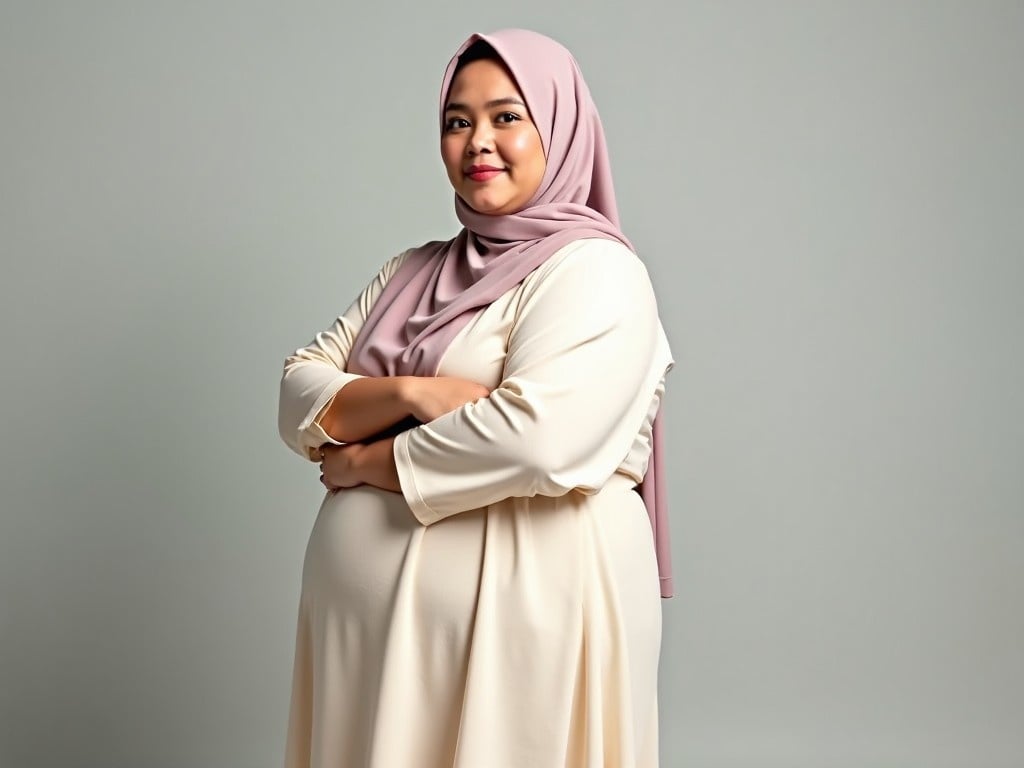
x=489, y=143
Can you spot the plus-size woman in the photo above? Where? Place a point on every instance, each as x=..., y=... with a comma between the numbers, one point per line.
x=481, y=587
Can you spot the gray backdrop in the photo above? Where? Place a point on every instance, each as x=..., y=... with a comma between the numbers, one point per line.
x=829, y=196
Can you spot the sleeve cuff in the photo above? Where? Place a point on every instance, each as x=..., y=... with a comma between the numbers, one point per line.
x=407, y=480
x=311, y=433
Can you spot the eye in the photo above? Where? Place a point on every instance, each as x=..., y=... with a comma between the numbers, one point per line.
x=508, y=117
x=455, y=123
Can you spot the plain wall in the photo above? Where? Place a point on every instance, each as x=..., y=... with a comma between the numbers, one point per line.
x=829, y=197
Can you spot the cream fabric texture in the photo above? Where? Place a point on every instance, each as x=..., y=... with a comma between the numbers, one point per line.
x=504, y=610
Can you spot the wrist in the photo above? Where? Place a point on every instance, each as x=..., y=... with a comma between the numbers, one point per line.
x=374, y=465
x=353, y=453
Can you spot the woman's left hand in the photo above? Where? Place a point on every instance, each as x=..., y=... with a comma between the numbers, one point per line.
x=338, y=466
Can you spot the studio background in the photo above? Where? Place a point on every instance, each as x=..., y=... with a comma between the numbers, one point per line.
x=829, y=199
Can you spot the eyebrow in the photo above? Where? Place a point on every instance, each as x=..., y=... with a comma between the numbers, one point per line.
x=455, y=106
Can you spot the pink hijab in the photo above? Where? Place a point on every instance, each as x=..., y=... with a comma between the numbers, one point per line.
x=441, y=286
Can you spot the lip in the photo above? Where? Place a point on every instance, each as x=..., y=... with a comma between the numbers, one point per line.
x=483, y=172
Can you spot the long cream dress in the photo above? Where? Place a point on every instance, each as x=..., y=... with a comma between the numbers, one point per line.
x=503, y=611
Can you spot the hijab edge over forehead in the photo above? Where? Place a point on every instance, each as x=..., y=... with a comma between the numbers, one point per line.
x=455, y=66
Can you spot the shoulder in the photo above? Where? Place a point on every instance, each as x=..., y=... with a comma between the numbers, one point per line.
x=413, y=258
x=392, y=265
x=595, y=266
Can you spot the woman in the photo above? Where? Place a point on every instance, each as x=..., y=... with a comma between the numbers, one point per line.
x=480, y=587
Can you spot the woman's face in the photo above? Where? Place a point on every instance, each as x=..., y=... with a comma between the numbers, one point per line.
x=490, y=146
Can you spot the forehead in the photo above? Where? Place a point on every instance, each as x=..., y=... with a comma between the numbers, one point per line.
x=483, y=80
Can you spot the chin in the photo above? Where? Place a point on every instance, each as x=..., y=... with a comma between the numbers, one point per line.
x=487, y=207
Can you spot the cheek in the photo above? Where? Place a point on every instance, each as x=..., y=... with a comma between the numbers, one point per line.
x=451, y=154
x=528, y=155
x=524, y=146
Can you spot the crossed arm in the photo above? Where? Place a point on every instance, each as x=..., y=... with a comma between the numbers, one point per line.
x=585, y=360
x=325, y=412
x=369, y=406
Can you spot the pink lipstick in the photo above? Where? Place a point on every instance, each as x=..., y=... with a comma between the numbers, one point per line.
x=483, y=172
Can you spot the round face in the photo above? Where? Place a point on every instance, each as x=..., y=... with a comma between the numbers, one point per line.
x=490, y=146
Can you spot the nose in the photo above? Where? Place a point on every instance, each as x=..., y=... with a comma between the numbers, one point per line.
x=481, y=138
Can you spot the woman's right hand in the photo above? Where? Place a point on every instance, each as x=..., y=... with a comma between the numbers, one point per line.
x=431, y=397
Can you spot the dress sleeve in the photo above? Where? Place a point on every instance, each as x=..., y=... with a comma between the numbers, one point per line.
x=586, y=355
x=314, y=374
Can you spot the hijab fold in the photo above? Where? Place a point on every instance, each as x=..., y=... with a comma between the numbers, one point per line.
x=441, y=286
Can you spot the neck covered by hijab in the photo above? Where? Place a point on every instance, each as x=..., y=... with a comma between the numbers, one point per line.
x=441, y=286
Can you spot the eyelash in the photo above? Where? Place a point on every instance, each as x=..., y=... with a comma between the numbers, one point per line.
x=450, y=125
